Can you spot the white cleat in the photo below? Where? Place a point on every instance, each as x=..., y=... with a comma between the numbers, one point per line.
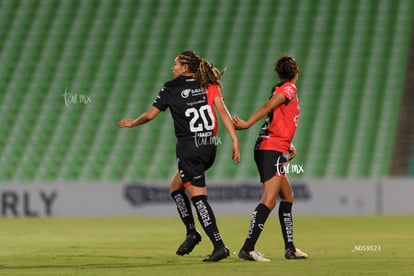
x=252, y=256
x=258, y=257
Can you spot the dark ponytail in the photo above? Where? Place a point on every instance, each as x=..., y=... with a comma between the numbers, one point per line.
x=286, y=67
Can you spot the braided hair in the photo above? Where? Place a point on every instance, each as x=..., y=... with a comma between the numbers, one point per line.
x=191, y=58
x=208, y=74
x=205, y=72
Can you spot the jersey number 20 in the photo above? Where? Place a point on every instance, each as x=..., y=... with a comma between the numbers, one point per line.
x=206, y=115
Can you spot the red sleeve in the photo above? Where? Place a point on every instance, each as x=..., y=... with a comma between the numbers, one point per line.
x=287, y=90
x=214, y=91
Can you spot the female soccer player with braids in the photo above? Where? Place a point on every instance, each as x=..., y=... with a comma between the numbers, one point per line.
x=192, y=96
x=271, y=152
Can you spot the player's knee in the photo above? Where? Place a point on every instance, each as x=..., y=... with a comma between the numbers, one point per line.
x=290, y=197
x=176, y=186
x=270, y=203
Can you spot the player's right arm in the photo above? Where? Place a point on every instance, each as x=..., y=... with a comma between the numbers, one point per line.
x=142, y=119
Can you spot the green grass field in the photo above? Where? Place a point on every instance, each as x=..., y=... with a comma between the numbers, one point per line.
x=147, y=245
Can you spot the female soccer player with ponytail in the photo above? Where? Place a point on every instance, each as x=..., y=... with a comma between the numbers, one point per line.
x=192, y=96
x=271, y=152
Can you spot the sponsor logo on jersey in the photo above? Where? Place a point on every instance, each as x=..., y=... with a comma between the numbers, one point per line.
x=185, y=93
x=194, y=92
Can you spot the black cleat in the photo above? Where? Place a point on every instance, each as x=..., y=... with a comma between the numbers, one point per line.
x=218, y=254
x=244, y=255
x=189, y=243
x=292, y=255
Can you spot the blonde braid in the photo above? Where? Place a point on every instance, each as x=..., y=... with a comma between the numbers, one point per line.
x=208, y=74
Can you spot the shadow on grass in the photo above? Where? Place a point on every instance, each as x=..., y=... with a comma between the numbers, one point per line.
x=111, y=265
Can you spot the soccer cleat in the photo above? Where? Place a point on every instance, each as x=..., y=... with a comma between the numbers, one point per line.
x=252, y=256
x=218, y=254
x=298, y=254
x=189, y=243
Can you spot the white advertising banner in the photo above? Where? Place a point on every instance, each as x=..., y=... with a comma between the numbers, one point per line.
x=397, y=195
x=312, y=197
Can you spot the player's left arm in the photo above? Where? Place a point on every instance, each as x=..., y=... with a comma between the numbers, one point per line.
x=274, y=102
x=227, y=121
x=145, y=117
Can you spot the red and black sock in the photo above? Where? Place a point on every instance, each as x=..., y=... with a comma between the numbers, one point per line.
x=257, y=221
x=184, y=209
x=207, y=219
x=286, y=224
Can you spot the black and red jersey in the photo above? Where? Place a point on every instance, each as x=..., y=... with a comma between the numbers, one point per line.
x=191, y=106
x=279, y=128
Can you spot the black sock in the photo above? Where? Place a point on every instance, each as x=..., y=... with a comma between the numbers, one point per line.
x=207, y=219
x=184, y=209
x=286, y=223
x=259, y=217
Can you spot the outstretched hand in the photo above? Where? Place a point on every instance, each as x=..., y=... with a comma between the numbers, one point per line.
x=239, y=124
x=127, y=122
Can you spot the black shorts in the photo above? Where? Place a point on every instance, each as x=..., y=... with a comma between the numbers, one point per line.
x=193, y=160
x=270, y=163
